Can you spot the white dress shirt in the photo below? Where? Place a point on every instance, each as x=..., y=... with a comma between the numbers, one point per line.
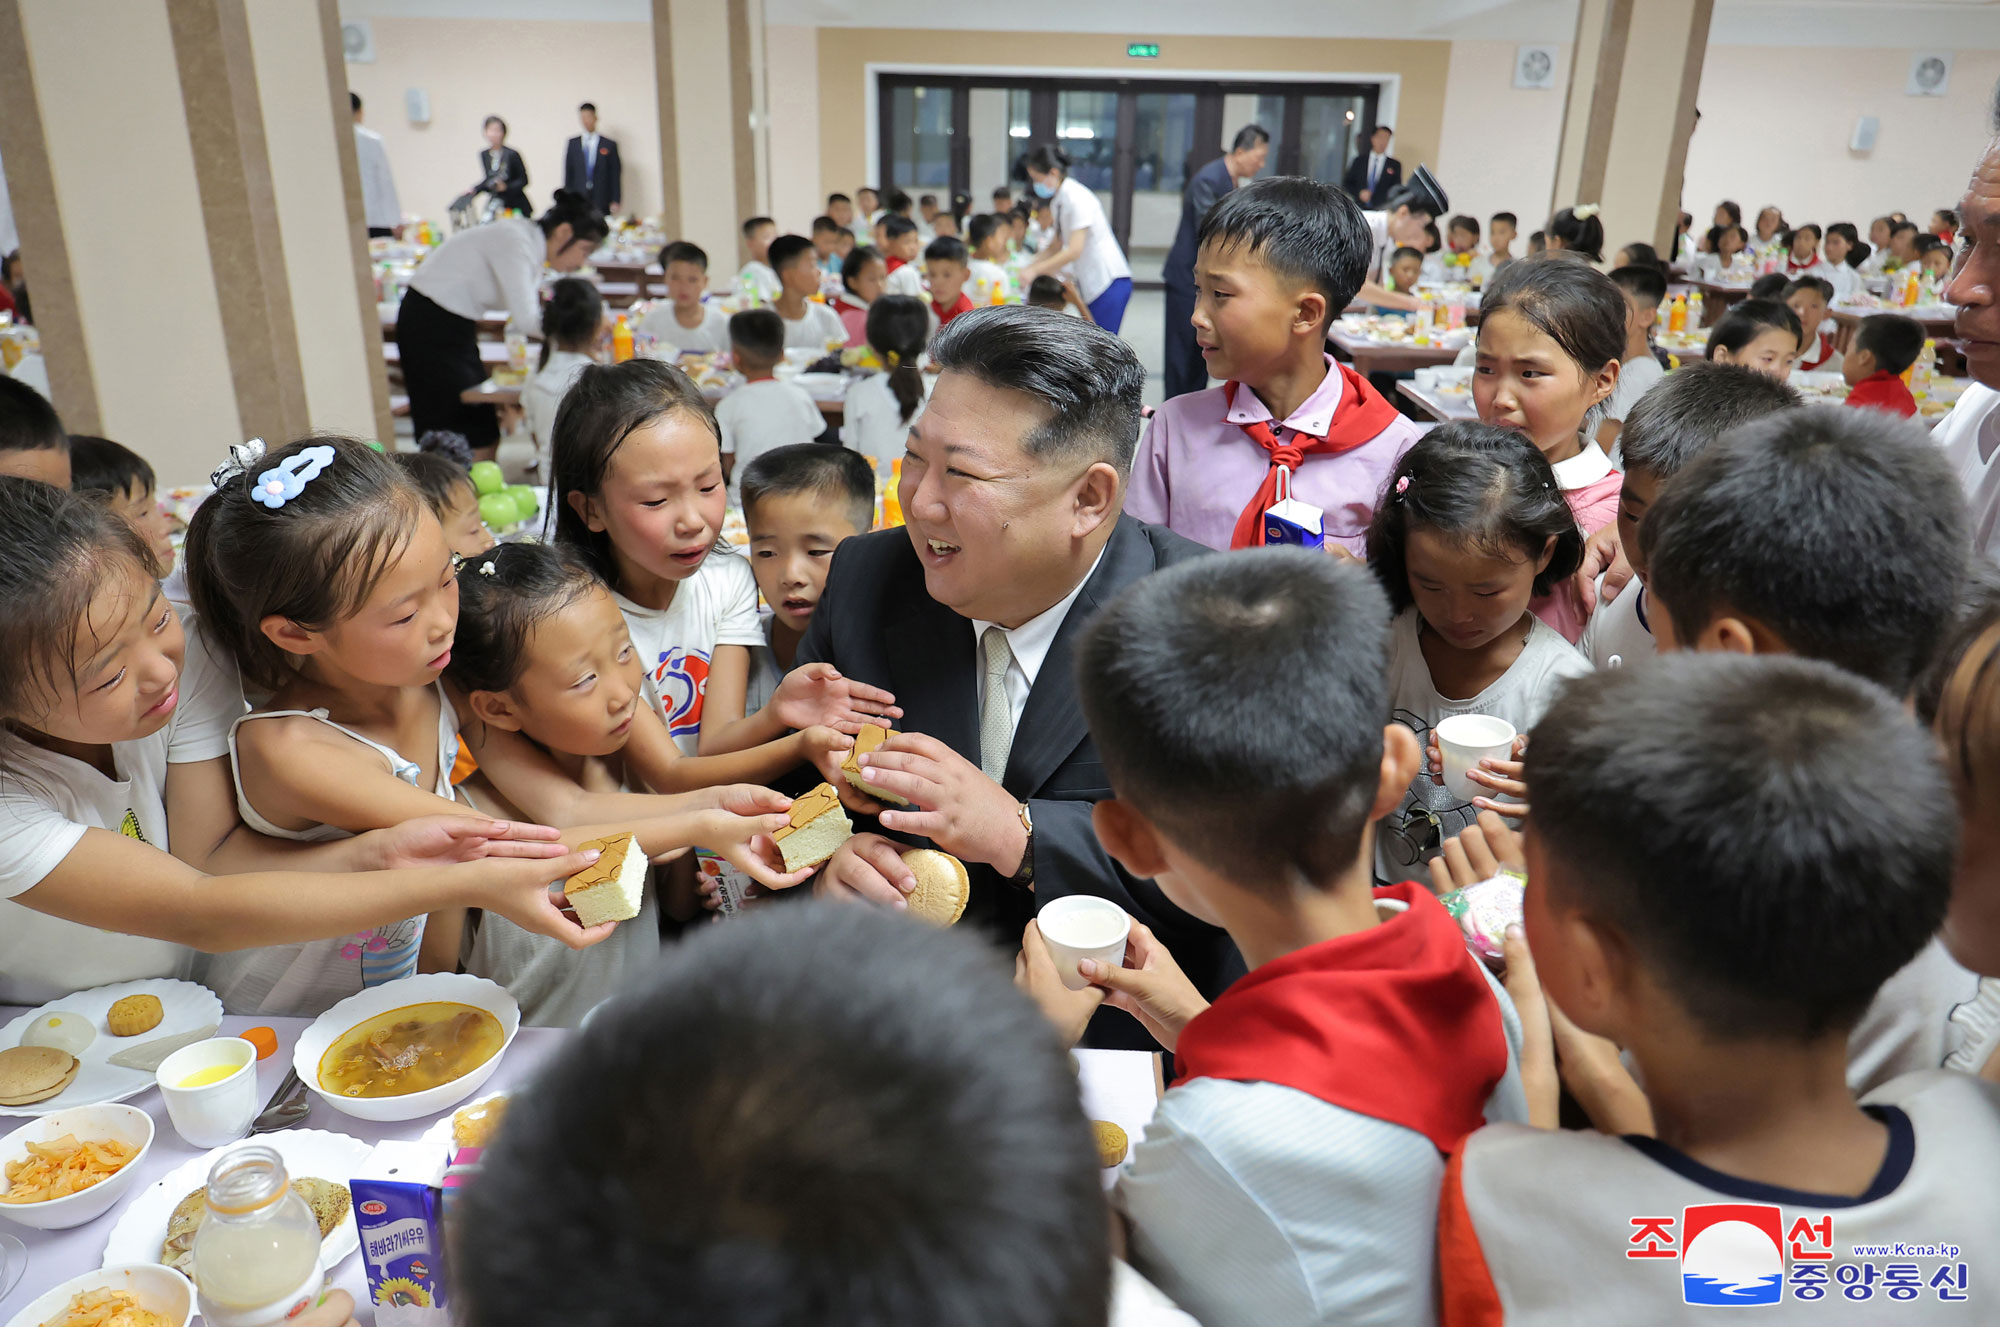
x=495, y=266
x=378, y=187
x=1375, y=160
x=1029, y=644
x=589, y=158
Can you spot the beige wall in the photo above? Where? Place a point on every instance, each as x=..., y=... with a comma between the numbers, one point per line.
x=532, y=74
x=1498, y=152
x=125, y=189
x=791, y=57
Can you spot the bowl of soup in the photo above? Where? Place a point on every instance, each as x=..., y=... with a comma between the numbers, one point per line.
x=408, y=1048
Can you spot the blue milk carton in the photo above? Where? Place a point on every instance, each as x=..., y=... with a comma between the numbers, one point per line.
x=398, y=1207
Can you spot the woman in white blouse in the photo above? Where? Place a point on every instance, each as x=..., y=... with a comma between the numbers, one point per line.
x=496, y=266
x=1083, y=239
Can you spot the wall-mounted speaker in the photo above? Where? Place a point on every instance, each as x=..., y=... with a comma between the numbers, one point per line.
x=417, y=103
x=1864, y=134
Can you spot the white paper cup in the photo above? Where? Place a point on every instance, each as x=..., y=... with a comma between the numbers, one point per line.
x=1426, y=379
x=1083, y=926
x=1463, y=741
x=214, y=1113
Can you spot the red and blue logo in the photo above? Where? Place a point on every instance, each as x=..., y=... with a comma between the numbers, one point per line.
x=1732, y=1253
x=681, y=677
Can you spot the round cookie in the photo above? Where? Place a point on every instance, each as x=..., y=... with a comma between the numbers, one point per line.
x=1111, y=1142
x=34, y=1073
x=942, y=886
x=135, y=1014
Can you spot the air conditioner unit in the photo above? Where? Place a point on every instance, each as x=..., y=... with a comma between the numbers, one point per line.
x=357, y=42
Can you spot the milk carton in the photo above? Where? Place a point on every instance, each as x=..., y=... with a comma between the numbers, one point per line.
x=399, y=1210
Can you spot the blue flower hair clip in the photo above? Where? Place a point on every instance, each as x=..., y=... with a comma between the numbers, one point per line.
x=286, y=480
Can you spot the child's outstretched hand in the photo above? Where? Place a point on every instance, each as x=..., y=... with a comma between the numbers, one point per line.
x=1504, y=777
x=444, y=840
x=1538, y=1052
x=1477, y=853
x=1036, y=977
x=738, y=829
x=1603, y=555
x=818, y=694
x=1151, y=987
x=520, y=890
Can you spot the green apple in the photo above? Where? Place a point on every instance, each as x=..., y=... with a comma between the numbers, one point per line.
x=524, y=494
x=488, y=478
x=499, y=510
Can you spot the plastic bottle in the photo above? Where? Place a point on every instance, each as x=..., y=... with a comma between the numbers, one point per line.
x=1924, y=371
x=621, y=341
x=1694, y=303
x=1677, y=316
x=257, y=1252
x=517, y=352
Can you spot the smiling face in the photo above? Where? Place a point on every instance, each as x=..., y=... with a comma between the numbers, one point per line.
x=401, y=634
x=661, y=503
x=1976, y=277
x=1770, y=353
x=997, y=530
x=792, y=538
x=1247, y=317
x=127, y=653
x=581, y=680
x=1524, y=380
x=1466, y=593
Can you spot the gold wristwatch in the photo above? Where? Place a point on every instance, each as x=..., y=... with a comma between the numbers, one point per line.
x=1024, y=874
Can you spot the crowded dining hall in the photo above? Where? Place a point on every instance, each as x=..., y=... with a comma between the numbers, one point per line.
x=754, y=663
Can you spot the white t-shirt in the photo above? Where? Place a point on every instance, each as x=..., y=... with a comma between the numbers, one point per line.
x=543, y=395
x=1634, y=377
x=1102, y=262
x=496, y=266
x=872, y=422
x=715, y=606
x=711, y=337
x=1619, y=630
x=757, y=283
x=907, y=279
x=1406, y=839
x=813, y=329
x=1970, y=436
x=765, y=675
x=761, y=415
x=47, y=801
x=1846, y=281
x=1379, y=246
x=986, y=278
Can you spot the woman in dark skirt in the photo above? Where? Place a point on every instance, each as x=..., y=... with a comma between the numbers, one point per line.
x=496, y=266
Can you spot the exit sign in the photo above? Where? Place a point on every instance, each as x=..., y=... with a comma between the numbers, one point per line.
x=1143, y=50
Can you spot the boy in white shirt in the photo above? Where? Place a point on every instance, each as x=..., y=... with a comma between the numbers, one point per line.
x=1463, y=261
x=809, y=324
x=986, y=236
x=757, y=283
x=1638, y=370
x=763, y=413
x=685, y=322
x=900, y=246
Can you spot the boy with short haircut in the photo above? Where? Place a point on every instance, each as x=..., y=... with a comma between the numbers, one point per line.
x=763, y=413
x=986, y=238
x=1730, y=857
x=868, y=206
x=1809, y=297
x=946, y=267
x=1501, y=228
x=809, y=324
x=840, y=210
x=1638, y=370
x=1003, y=200
x=1883, y=349
x=799, y=503
x=1288, y=254
x=1405, y=271
x=1837, y=535
x=900, y=246
x=1461, y=237
x=1048, y=292
x=123, y=481
x=756, y=283
x=686, y=322
x=1666, y=429
x=1291, y=1173
x=826, y=233
x=32, y=442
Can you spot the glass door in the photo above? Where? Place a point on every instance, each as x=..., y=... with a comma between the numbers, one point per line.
x=1087, y=129
x=919, y=132
x=1163, y=156
x=1329, y=135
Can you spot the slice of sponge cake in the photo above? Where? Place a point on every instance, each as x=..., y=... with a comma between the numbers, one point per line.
x=871, y=736
x=819, y=826
x=612, y=889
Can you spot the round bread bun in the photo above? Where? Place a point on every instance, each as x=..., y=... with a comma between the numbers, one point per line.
x=942, y=886
x=34, y=1073
x=1111, y=1142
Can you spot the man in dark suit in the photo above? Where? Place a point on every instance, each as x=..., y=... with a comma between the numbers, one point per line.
x=1186, y=370
x=591, y=166
x=1012, y=489
x=1373, y=175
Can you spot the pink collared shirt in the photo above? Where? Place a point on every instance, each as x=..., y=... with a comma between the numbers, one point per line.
x=1197, y=469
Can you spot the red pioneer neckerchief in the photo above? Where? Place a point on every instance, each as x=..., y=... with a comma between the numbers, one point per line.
x=1360, y=416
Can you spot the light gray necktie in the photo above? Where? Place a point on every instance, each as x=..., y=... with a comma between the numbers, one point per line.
x=996, y=719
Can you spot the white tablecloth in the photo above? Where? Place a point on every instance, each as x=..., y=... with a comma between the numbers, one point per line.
x=54, y=1256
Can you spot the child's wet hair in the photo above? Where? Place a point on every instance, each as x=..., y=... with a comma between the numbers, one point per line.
x=313, y=561
x=1572, y=303
x=1483, y=488
x=503, y=595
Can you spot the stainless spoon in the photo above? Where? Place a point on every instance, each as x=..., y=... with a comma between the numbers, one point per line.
x=287, y=1106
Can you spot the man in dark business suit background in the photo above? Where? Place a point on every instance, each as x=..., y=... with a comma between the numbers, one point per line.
x=1373, y=175
x=1186, y=370
x=1012, y=489
x=590, y=166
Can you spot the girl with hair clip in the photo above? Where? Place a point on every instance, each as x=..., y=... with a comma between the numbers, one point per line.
x=495, y=266
x=572, y=328
x=1470, y=529
x=323, y=573
x=1577, y=230
x=881, y=407
x=121, y=852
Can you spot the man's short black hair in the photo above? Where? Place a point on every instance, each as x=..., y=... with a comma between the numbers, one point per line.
x=1898, y=227
x=946, y=249
x=835, y=474
x=751, y=225
x=1210, y=743
x=1648, y=283
x=1301, y=229
x=831, y=199
x=1403, y=251
x=1683, y=413
x=797, y=1121
x=899, y=202
x=1825, y=525
x=1814, y=283
x=1895, y=340
x=1772, y=837
x=353, y=100
x=683, y=251
x=1381, y=129
x=757, y=334
x=1249, y=136
x=587, y=106
x=1089, y=378
x=895, y=225
x=1468, y=224
x=1507, y=217
x=1045, y=292
x=980, y=229
x=99, y=465
x=822, y=224
x=28, y=423
x=787, y=248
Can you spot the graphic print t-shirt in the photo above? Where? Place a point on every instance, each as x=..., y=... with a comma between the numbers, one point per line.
x=715, y=606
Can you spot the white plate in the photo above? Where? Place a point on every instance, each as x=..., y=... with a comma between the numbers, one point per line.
x=439, y=1134
x=823, y=386
x=308, y=1153
x=184, y=1006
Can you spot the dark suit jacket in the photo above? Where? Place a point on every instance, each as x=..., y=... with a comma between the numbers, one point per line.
x=1356, y=178
x=1203, y=188
x=603, y=188
x=509, y=181
x=876, y=623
